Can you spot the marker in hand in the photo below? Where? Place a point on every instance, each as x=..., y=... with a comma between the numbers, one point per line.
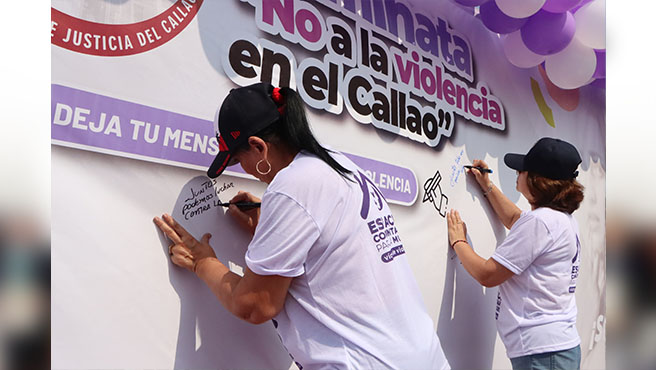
x=479, y=168
x=242, y=204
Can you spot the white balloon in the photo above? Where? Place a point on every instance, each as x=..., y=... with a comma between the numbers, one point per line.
x=520, y=8
x=591, y=24
x=573, y=67
x=518, y=54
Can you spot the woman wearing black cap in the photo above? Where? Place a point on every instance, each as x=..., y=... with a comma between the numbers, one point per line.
x=325, y=262
x=537, y=264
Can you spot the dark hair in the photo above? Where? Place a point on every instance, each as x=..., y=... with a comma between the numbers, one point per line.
x=561, y=195
x=293, y=130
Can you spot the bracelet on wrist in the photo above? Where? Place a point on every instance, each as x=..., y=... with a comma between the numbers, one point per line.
x=458, y=241
x=489, y=189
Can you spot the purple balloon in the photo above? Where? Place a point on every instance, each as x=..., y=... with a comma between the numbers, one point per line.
x=497, y=21
x=559, y=6
x=471, y=2
x=599, y=83
x=600, y=71
x=579, y=6
x=547, y=33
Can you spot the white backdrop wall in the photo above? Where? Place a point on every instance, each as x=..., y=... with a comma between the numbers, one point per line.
x=118, y=302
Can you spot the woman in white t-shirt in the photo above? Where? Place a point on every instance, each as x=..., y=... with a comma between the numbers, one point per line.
x=326, y=262
x=537, y=264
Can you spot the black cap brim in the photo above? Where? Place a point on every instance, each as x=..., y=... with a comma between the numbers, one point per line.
x=219, y=165
x=515, y=161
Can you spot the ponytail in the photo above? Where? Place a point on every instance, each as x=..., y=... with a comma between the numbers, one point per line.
x=294, y=131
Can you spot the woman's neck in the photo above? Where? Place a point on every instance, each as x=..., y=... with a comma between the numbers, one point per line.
x=279, y=157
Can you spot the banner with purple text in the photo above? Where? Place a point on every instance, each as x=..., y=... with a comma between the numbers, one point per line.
x=411, y=91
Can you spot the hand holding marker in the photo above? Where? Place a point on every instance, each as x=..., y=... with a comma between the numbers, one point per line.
x=479, y=168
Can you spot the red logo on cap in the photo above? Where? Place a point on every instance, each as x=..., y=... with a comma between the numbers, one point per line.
x=222, y=145
x=235, y=134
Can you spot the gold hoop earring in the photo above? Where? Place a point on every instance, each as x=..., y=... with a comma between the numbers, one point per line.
x=257, y=167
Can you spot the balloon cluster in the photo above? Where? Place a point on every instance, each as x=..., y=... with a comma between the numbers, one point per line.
x=568, y=36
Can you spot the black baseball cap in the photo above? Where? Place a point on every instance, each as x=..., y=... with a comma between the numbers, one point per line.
x=552, y=158
x=244, y=112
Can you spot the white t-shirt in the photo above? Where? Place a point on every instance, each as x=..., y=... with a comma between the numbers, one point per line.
x=353, y=302
x=536, y=308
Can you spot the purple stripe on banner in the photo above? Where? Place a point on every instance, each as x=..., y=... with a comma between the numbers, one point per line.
x=90, y=119
x=398, y=184
x=93, y=120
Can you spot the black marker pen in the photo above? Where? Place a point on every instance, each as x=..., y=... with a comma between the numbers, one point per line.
x=242, y=204
x=479, y=168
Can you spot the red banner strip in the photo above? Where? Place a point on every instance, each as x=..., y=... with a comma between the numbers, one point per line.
x=113, y=40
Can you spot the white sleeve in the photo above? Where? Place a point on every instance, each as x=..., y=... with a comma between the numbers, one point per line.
x=283, y=237
x=525, y=242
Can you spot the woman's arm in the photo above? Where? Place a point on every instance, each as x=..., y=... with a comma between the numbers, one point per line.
x=253, y=298
x=506, y=210
x=488, y=272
